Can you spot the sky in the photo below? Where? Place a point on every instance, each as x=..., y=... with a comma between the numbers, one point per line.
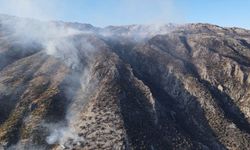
x=229, y=13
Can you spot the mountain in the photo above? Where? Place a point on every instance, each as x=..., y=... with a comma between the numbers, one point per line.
x=76, y=86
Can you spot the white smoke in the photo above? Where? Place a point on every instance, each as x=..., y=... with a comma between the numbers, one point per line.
x=62, y=134
x=131, y=11
x=57, y=39
x=60, y=41
x=138, y=33
x=36, y=9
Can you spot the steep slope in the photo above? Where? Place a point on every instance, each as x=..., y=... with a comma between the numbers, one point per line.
x=174, y=87
x=204, y=78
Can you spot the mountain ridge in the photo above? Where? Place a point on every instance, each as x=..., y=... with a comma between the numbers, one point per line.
x=77, y=87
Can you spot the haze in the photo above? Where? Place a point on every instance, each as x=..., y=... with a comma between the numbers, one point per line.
x=122, y=12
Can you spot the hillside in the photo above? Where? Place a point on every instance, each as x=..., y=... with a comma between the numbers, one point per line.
x=76, y=86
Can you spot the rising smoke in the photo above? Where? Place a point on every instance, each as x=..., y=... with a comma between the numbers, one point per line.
x=71, y=46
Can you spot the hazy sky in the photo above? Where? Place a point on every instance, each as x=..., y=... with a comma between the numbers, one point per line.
x=120, y=12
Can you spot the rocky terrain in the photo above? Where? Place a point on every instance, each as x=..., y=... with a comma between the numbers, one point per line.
x=79, y=87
